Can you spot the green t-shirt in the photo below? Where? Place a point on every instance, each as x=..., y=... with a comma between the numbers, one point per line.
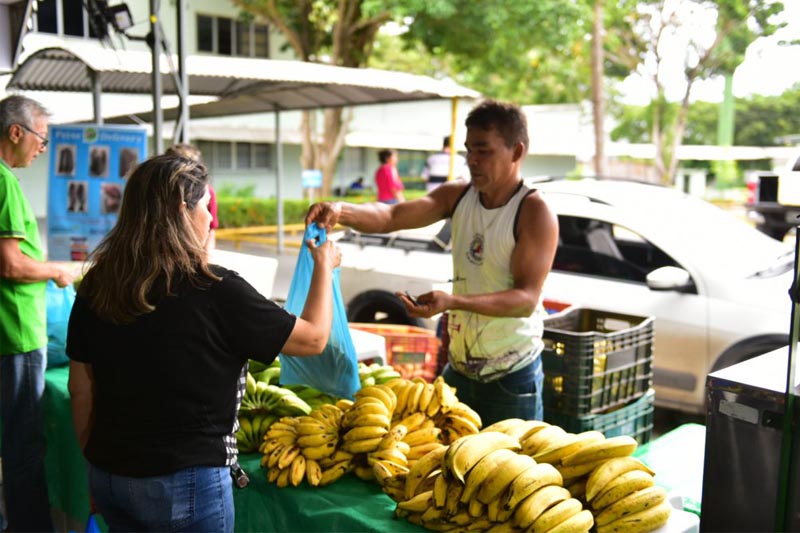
x=23, y=315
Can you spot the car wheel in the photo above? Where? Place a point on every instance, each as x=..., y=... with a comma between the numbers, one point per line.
x=749, y=348
x=379, y=307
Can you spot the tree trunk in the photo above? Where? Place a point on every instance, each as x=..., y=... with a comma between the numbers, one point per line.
x=659, y=163
x=598, y=90
x=678, y=128
x=332, y=143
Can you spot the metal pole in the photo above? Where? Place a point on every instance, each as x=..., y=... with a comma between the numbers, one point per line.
x=785, y=499
x=156, y=76
x=96, y=92
x=279, y=177
x=453, y=118
x=183, y=91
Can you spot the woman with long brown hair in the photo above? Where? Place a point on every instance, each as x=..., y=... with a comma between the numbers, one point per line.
x=159, y=341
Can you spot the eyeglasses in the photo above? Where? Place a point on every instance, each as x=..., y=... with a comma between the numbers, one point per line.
x=42, y=138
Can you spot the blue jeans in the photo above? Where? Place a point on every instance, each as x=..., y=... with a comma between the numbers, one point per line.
x=22, y=414
x=517, y=395
x=192, y=499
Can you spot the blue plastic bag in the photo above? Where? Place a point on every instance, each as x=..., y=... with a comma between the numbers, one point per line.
x=59, y=306
x=335, y=370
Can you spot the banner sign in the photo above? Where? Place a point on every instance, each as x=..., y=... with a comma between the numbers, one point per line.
x=87, y=172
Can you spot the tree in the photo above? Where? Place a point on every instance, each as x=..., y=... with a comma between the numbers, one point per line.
x=712, y=37
x=527, y=52
x=337, y=32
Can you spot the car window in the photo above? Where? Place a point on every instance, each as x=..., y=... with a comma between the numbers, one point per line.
x=598, y=248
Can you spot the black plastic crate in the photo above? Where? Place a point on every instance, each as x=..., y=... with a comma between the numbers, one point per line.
x=634, y=419
x=595, y=360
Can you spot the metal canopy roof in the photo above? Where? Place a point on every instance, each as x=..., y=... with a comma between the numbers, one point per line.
x=243, y=85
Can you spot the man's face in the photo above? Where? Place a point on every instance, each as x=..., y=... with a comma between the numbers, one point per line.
x=31, y=144
x=489, y=158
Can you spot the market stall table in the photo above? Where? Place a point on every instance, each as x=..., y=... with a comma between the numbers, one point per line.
x=347, y=505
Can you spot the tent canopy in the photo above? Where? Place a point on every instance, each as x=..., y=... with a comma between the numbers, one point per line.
x=243, y=85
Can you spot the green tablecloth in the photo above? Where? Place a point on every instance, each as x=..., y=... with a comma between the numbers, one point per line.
x=348, y=505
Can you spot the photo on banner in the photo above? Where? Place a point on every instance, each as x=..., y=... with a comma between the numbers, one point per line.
x=87, y=171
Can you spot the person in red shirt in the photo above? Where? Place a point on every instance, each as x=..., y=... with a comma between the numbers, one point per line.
x=387, y=181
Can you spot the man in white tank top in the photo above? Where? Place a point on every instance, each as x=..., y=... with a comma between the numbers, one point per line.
x=504, y=241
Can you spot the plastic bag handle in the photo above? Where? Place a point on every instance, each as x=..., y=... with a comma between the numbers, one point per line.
x=317, y=234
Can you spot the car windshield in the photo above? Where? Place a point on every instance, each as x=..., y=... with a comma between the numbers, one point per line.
x=715, y=237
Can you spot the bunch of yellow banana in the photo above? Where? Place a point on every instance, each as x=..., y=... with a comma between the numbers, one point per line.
x=593, y=451
x=458, y=421
x=418, y=396
x=623, y=496
x=565, y=515
x=282, y=454
x=517, y=428
x=367, y=421
x=329, y=469
x=481, y=482
x=422, y=436
x=318, y=432
x=389, y=462
x=465, y=452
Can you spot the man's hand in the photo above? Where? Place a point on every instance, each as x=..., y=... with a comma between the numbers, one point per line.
x=63, y=278
x=427, y=305
x=325, y=214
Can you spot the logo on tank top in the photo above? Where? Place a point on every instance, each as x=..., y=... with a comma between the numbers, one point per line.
x=475, y=252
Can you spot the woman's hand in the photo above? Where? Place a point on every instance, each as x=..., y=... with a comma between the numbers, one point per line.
x=327, y=255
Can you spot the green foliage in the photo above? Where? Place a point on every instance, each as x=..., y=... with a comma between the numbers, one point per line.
x=760, y=120
x=523, y=51
x=237, y=212
x=243, y=191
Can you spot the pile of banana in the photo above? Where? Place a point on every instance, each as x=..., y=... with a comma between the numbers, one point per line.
x=376, y=374
x=533, y=476
x=378, y=436
x=624, y=498
x=305, y=447
x=481, y=481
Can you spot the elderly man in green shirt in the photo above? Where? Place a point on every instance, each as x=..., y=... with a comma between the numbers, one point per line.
x=23, y=329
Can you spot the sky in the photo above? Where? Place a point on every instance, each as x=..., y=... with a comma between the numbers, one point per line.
x=768, y=68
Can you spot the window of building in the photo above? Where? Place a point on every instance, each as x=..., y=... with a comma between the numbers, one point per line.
x=62, y=17
x=244, y=156
x=205, y=33
x=227, y=36
x=221, y=155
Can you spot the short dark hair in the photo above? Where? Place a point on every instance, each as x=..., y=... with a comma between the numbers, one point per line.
x=446, y=142
x=507, y=118
x=384, y=155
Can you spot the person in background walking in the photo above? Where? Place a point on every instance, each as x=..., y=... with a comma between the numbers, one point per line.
x=437, y=167
x=387, y=181
x=23, y=321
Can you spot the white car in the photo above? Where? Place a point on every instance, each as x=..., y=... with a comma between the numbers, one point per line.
x=717, y=287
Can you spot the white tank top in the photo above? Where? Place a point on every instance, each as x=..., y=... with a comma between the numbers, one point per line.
x=482, y=347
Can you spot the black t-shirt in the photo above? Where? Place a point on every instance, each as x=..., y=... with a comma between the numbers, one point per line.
x=165, y=393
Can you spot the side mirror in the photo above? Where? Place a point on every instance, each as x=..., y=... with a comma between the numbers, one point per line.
x=670, y=278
